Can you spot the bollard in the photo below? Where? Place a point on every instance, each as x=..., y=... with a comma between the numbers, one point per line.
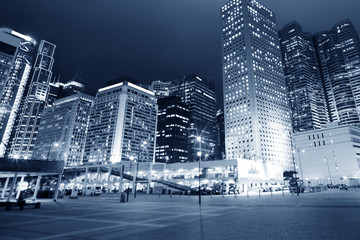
x=271, y=191
x=283, y=191
x=259, y=193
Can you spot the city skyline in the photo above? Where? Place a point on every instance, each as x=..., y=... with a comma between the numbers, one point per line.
x=254, y=103
x=173, y=30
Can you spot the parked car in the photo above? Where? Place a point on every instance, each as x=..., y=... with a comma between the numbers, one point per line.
x=343, y=187
x=97, y=191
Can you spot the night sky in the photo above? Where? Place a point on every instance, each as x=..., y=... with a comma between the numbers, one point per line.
x=149, y=39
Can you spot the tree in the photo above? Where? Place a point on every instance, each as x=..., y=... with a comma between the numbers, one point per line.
x=289, y=175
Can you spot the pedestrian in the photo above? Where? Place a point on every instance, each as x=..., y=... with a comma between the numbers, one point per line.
x=21, y=200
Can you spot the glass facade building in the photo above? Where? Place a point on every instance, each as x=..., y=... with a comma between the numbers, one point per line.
x=339, y=60
x=220, y=135
x=303, y=79
x=28, y=119
x=75, y=85
x=199, y=96
x=256, y=108
x=122, y=125
x=63, y=128
x=16, y=59
x=172, y=131
x=160, y=88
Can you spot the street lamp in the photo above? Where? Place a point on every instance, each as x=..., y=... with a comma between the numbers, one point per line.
x=298, y=151
x=198, y=138
x=128, y=188
x=293, y=159
x=143, y=144
x=325, y=160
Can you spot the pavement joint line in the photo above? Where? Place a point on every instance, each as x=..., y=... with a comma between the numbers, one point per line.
x=88, y=208
x=51, y=218
x=174, y=216
x=82, y=217
x=78, y=232
x=33, y=221
x=177, y=213
x=136, y=223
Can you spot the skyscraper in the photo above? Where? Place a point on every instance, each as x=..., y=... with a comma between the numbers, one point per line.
x=257, y=118
x=63, y=128
x=220, y=135
x=75, y=85
x=303, y=79
x=15, y=66
x=160, y=88
x=339, y=59
x=27, y=122
x=122, y=124
x=172, y=130
x=199, y=96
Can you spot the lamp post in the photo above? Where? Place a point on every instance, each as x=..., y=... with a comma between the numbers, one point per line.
x=293, y=158
x=325, y=160
x=128, y=188
x=302, y=150
x=143, y=144
x=199, y=155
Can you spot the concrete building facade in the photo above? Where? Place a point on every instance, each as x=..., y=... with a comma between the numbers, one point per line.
x=332, y=152
x=63, y=129
x=122, y=125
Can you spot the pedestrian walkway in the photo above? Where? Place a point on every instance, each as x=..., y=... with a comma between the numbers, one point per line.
x=332, y=214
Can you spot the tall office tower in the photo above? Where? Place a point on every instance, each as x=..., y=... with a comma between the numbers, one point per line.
x=63, y=129
x=220, y=135
x=75, y=85
x=257, y=116
x=339, y=59
x=199, y=95
x=16, y=60
x=55, y=88
x=122, y=124
x=171, y=134
x=303, y=79
x=160, y=88
x=27, y=122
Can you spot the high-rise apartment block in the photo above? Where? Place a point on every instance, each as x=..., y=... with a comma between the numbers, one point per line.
x=16, y=60
x=29, y=116
x=257, y=118
x=63, y=129
x=303, y=78
x=339, y=60
x=122, y=125
x=322, y=75
x=172, y=131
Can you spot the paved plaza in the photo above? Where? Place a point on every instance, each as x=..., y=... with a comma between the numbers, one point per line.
x=331, y=214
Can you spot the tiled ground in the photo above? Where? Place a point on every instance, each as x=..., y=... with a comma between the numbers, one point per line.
x=332, y=214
